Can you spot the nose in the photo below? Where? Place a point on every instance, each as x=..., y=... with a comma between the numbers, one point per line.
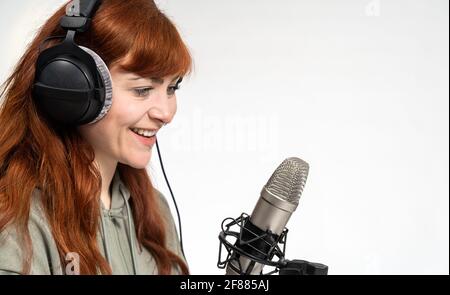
x=163, y=108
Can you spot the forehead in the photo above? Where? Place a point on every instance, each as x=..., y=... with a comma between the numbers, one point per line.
x=119, y=74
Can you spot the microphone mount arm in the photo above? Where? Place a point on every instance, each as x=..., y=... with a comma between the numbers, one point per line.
x=249, y=241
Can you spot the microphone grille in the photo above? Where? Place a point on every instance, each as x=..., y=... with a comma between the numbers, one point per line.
x=288, y=180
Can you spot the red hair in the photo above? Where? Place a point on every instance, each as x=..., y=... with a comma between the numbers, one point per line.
x=60, y=163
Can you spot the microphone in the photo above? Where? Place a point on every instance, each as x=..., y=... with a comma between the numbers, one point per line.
x=257, y=242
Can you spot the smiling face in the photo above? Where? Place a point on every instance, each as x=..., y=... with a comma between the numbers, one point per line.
x=139, y=105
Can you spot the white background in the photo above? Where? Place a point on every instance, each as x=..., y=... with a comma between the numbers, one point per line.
x=358, y=89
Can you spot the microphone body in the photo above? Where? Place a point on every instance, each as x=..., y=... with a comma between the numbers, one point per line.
x=278, y=200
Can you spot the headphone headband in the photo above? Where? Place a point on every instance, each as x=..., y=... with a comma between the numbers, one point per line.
x=79, y=14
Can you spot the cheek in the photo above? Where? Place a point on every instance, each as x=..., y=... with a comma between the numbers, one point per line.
x=104, y=133
x=99, y=135
x=122, y=115
x=173, y=109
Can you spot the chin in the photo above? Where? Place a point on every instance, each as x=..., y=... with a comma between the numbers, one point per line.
x=137, y=163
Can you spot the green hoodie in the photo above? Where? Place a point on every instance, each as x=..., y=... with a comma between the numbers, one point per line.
x=115, y=243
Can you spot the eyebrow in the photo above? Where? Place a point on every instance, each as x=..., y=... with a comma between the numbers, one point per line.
x=156, y=80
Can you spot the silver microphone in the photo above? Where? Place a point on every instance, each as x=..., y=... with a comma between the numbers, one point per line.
x=279, y=199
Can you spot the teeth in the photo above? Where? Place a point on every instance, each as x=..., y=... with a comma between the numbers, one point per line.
x=144, y=132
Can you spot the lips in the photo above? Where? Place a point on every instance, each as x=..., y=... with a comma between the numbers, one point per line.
x=147, y=141
x=144, y=132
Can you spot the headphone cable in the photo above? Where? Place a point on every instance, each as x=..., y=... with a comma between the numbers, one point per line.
x=173, y=198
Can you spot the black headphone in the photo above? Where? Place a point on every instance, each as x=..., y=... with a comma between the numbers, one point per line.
x=72, y=83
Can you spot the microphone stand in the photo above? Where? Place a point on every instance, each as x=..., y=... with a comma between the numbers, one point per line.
x=251, y=240
x=302, y=267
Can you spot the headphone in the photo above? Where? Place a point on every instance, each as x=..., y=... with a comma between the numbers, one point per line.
x=72, y=84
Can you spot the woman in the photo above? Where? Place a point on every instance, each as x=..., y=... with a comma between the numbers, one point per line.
x=79, y=200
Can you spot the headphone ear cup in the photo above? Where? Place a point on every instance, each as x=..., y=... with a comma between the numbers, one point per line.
x=105, y=78
x=72, y=85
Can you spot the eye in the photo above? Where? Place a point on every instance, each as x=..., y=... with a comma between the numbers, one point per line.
x=142, y=91
x=172, y=89
x=175, y=87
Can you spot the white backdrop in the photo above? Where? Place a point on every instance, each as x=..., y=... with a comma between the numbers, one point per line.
x=357, y=88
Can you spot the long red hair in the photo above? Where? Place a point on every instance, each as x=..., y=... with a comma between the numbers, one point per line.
x=60, y=163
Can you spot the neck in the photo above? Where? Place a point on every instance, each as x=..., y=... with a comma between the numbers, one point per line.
x=107, y=168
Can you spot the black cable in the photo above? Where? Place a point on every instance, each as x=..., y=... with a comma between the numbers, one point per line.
x=173, y=198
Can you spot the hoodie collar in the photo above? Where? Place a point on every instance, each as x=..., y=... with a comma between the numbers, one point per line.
x=119, y=192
